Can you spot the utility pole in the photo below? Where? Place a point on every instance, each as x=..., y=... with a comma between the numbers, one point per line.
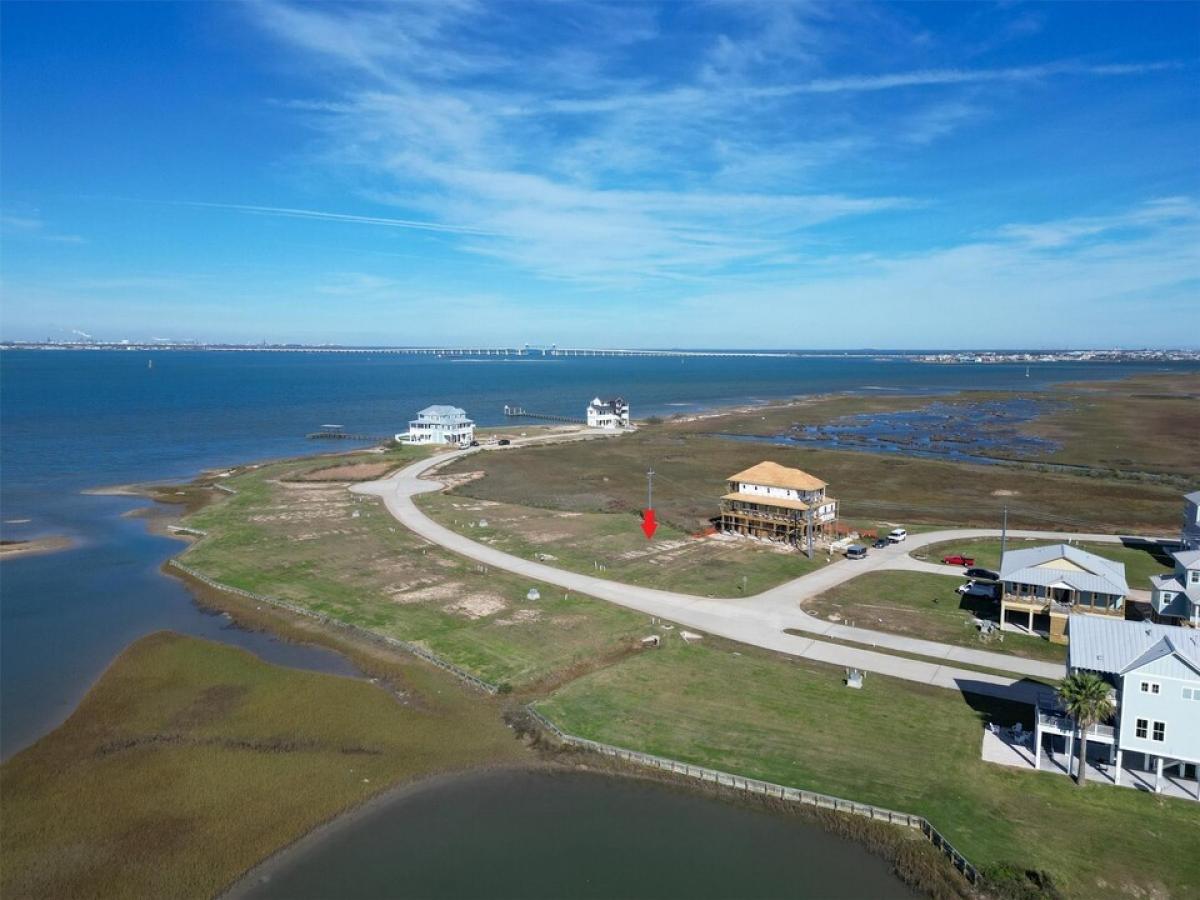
x=1004, y=534
x=650, y=488
x=808, y=528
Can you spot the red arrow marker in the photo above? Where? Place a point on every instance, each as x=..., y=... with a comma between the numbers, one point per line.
x=649, y=526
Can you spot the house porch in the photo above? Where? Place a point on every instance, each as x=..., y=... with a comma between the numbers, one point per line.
x=1139, y=771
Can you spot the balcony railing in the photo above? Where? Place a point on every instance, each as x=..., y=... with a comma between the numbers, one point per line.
x=1066, y=725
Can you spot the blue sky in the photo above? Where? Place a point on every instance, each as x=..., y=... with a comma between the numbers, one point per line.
x=681, y=174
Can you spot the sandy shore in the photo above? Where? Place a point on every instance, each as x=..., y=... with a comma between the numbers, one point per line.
x=36, y=546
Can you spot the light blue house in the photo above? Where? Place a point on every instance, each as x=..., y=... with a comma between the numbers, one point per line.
x=1190, y=537
x=1176, y=597
x=1154, y=671
x=440, y=425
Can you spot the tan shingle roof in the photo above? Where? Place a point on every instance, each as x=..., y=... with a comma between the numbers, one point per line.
x=775, y=475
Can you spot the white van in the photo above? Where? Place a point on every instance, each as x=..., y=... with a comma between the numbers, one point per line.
x=896, y=535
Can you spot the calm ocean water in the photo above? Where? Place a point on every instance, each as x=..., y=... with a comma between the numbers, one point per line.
x=74, y=420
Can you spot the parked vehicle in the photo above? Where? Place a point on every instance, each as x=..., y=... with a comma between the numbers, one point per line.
x=896, y=535
x=880, y=542
x=504, y=442
x=856, y=551
x=474, y=443
x=956, y=559
x=983, y=574
x=977, y=589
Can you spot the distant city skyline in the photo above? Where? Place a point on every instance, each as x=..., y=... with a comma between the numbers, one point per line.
x=719, y=175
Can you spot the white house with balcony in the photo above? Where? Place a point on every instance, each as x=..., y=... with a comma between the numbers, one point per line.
x=611, y=414
x=446, y=425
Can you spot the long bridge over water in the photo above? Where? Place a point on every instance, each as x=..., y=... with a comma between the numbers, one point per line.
x=526, y=351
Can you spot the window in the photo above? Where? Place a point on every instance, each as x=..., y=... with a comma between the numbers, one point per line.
x=1194, y=576
x=1150, y=687
x=1160, y=731
x=1142, y=728
x=1191, y=693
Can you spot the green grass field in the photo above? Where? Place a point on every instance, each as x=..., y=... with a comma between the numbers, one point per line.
x=613, y=546
x=191, y=761
x=893, y=744
x=1141, y=559
x=924, y=605
x=323, y=548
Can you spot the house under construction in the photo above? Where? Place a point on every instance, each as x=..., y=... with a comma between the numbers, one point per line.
x=781, y=504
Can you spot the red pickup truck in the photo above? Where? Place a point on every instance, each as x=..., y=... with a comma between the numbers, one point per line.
x=956, y=560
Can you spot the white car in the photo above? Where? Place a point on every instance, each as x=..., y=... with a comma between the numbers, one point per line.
x=896, y=535
x=976, y=589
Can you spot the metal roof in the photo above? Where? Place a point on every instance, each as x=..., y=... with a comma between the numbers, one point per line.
x=1104, y=644
x=442, y=410
x=1187, y=558
x=1194, y=496
x=1027, y=566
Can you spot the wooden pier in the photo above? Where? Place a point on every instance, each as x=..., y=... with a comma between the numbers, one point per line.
x=519, y=412
x=329, y=435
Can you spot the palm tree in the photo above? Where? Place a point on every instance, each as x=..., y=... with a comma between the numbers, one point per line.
x=1086, y=698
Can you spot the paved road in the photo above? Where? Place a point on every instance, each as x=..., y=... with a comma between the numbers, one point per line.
x=762, y=619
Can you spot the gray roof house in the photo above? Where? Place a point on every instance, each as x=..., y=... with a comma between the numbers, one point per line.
x=1176, y=597
x=1154, y=671
x=1190, y=536
x=1044, y=585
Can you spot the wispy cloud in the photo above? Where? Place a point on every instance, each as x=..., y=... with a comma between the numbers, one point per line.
x=31, y=226
x=570, y=164
x=321, y=215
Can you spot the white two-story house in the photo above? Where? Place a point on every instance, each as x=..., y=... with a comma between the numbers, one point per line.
x=609, y=414
x=440, y=425
x=778, y=503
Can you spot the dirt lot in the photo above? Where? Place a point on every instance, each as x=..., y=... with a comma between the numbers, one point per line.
x=359, y=471
x=319, y=546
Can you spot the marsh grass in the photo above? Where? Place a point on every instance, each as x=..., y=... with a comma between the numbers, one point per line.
x=594, y=477
x=190, y=761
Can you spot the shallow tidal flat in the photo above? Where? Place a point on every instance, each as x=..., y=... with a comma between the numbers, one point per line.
x=190, y=761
